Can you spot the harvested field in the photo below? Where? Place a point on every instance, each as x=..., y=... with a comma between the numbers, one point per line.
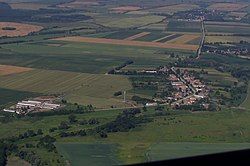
x=174, y=8
x=124, y=9
x=28, y=6
x=227, y=6
x=78, y=4
x=137, y=36
x=183, y=39
x=12, y=29
x=7, y=70
x=128, y=43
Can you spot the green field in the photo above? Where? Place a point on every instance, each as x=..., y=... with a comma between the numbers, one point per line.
x=79, y=57
x=227, y=27
x=246, y=103
x=184, y=26
x=89, y=154
x=8, y=96
x=134, y=21
x=165, y=150
x=76, y=87
x=225, y=39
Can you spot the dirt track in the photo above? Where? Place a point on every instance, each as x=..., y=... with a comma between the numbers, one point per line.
x=128, y=43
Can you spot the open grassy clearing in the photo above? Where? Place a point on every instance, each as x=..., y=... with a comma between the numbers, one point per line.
x=76, y=87
x=225, y=39
x=165, y=150
x=89, y=154
x=16, y=161
x=128, y=43
x=227, y=6
x=246, y=103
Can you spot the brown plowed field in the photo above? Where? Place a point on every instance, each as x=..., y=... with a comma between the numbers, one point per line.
x=7, y=70
x=128, y=43
x=137, y=36
x=20, y=29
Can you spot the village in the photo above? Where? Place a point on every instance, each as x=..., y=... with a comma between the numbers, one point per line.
x=38, y=104
x=179, y=88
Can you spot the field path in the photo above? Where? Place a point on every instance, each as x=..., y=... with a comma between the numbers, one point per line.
x=128, y=43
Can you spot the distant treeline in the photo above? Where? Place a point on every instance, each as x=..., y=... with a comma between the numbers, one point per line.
x=41, y=15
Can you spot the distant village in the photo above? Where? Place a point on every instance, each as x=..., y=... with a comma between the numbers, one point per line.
x=38, y=104
x=187, y=90
x=236, y=51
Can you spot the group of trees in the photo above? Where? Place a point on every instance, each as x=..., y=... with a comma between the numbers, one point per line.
x=80, y=133
x=47, y=142
x=3, y=156
x=125, y=121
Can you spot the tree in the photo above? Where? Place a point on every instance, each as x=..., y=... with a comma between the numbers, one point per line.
x=72, y=118
x=103, y=134
x=39, y=132
x=63, y=125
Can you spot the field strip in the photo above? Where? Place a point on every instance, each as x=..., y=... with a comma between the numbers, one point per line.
x=137, y=36
x=7, y=69
x=163, y=37
x=127, y=43
x=183, y=39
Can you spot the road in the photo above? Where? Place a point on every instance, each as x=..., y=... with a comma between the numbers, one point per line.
x=202, y=40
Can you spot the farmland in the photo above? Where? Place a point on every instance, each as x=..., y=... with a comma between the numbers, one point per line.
x=173, y=8
x=77, y=87
x=184, y=26
x=79, y=154
x=128, y=43
x=132, y=80
x=161, y=151
x=246, y=102
x=17, y=29
x=131, y=22
x=226, y=39
x=7, y=70
x=216, y=27
x=227, y=6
